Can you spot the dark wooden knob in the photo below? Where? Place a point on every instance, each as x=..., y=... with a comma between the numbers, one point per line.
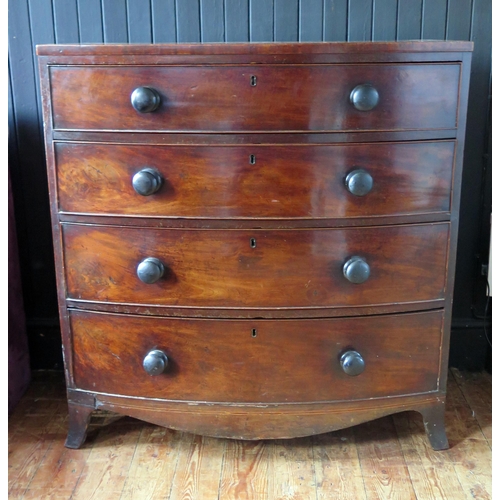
x=150, y=270
x=359, y=182
x=147, y=181
x=145, y=99
x=352, y=363
x=356, y=270
x=155, y=362
x=364, y=97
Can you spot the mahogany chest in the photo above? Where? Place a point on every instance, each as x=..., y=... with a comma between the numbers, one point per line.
x=255, y=240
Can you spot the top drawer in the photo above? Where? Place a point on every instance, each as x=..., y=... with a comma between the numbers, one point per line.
x=258, y=98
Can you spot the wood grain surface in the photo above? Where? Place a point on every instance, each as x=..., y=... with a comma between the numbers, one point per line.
x=251, y=421
x=286, y=98
x=235, y=361
x=287, y=181
x=378, y=49
x=287, y=268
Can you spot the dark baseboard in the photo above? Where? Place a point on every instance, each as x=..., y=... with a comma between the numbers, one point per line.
x=44, y=340
x=470, y=347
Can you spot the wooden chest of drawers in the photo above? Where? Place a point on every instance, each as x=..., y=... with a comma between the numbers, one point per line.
x=255, y=240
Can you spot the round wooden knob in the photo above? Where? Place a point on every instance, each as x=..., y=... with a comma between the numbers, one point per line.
x=352, y=363
x=145, y=99
x=364, y=97
x=155, y=362
x=356, y=270
x=150, y=270
x=147, y=181
x=359, y=182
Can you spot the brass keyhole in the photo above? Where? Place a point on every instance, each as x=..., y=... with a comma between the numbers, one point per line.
x=254, y=332
x=252, y=160
x=253, y=80
x=253, y=242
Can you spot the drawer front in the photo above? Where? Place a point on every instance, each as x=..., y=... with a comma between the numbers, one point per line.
x=284, y=98
x=257, y=268
x=256, y=181
x=257, y=361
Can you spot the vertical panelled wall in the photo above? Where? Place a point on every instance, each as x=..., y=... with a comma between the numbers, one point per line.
x=34, y=22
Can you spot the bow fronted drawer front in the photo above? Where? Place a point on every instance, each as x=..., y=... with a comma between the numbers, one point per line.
x=224, y=361
x=260, y=268
x=284, y=98
x=256, y=182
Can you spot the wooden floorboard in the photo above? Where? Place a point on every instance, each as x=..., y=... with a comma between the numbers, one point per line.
x=337, y=466
x=108, y=463
x=389, y=458
x=245, y=472
x=477, y=390
x=384, y=469
x=198, y=472
x=154, y=463
x=291, y=469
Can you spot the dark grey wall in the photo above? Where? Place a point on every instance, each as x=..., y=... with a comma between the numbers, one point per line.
x=33, y=22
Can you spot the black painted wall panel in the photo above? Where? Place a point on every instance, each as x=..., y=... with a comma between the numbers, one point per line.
x=212, y=20
x=114, y=19
x=65, y=21
x=261, y=20
x=188, y=20
x=434, y=19
x=409, y=20
x=286, y=20
x=89, y=21
x=164, y=21
x=12, y=139
x=359, y=18
x=139, y=21
x=31, y=181
x=468, y=267
x=236, y=20
x=40, y=33
x=311, y=20
x=15, y=178
x=458, y=26
x=385, y=13
x=170, y=21
x=335, y=20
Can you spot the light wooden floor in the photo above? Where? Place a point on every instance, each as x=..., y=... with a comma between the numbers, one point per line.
x=128, y=459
